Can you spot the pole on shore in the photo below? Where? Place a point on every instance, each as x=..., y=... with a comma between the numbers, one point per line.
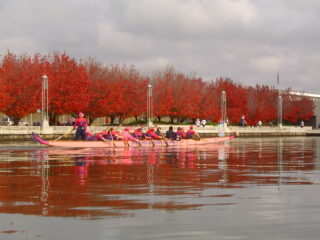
x=45, y=102
x=223, y=108
x=149, y=105
x=279, y=103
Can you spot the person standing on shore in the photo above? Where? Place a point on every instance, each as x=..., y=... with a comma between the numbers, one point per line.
x=203, y=123
x=198, y=122
x=243, y=121
x=81, y=125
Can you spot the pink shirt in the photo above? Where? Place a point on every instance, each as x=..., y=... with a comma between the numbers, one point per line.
x=127, y=136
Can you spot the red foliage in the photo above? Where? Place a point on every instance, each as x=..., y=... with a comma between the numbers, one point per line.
x=120, y=91
x=116, y=92
x=21, y=82
x=236, y=98
x=68, y=85
x=261, y=105
x=296, y=108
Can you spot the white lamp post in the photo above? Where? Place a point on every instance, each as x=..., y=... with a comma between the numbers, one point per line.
x=45, y=102
x=149, y=105
x=223, y=108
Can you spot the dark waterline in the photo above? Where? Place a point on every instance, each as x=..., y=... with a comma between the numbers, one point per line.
x=249, y=188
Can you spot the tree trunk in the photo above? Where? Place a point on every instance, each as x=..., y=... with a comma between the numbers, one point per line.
x=171, y=119
x=112, y=118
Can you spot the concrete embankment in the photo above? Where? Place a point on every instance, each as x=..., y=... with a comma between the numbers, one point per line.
x=15, y=133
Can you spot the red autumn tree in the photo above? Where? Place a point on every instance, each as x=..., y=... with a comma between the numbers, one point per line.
x=21, y=84
x=98, y=89
x=117, y=91
x=236, y=98
x=68, y=85
x=261, y=104
x=184, y=98
x=296, y=107
x=162, y=94
x=209, y=107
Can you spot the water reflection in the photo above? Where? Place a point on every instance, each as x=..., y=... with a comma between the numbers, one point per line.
x=97, y=183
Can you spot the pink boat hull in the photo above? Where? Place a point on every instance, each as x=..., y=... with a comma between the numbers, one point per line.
x=145, y=143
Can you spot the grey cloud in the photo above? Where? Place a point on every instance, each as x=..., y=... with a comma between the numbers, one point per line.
x=249, y=41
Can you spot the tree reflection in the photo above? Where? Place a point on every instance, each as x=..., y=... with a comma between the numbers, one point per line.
x=93, y=183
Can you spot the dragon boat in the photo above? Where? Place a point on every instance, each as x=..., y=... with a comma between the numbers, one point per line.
x=143, y=143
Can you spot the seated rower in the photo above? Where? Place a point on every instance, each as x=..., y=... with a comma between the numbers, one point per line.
x=138, y=134
x=152, y=135
x=110, y=134
x=126, y=136
x=181, y=133
x=170, y=133
x=191, y=133
x=158, y=132
x=113, y=135
x=90, y=136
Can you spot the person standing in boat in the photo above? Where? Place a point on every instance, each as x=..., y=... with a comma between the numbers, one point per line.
x=81, y=125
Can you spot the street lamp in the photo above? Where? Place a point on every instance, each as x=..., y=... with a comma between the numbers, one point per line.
x=44, y=101
x=149, y=105
x=279, y=110
x=223, y=108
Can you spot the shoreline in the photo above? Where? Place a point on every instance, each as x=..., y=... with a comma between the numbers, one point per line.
x=23, y=133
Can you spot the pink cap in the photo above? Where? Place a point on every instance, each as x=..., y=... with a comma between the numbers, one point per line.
x=81, y=114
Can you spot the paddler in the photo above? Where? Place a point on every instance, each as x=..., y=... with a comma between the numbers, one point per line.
x=126, y=136
x=191, y=133
x=138, y=133
x=180, y=133
x=81, y=125
x=91, y=136
x=110, y=134
x=151, y=134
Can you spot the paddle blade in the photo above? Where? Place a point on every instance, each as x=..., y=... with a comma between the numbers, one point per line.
x=195, y=137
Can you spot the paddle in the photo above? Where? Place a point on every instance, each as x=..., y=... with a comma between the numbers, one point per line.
x=163, y=136
x=105, y=140
x=64, y=135
x=113, y=143
x=196, y=137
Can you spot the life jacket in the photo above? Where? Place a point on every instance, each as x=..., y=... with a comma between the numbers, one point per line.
x=152, y=134
x=81, y=123
x=181, y=134
x=190, y=132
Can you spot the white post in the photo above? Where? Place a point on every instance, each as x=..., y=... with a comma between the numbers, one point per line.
x=149, y=105
x=223, y=108
x=279, y=110
x=45, y=103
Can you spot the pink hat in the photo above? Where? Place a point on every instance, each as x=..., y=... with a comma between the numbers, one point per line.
x=81, y=114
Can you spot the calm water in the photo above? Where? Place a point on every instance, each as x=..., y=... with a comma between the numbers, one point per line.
x=249, y=188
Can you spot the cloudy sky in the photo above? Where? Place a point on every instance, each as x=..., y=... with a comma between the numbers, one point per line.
x=248, y=41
